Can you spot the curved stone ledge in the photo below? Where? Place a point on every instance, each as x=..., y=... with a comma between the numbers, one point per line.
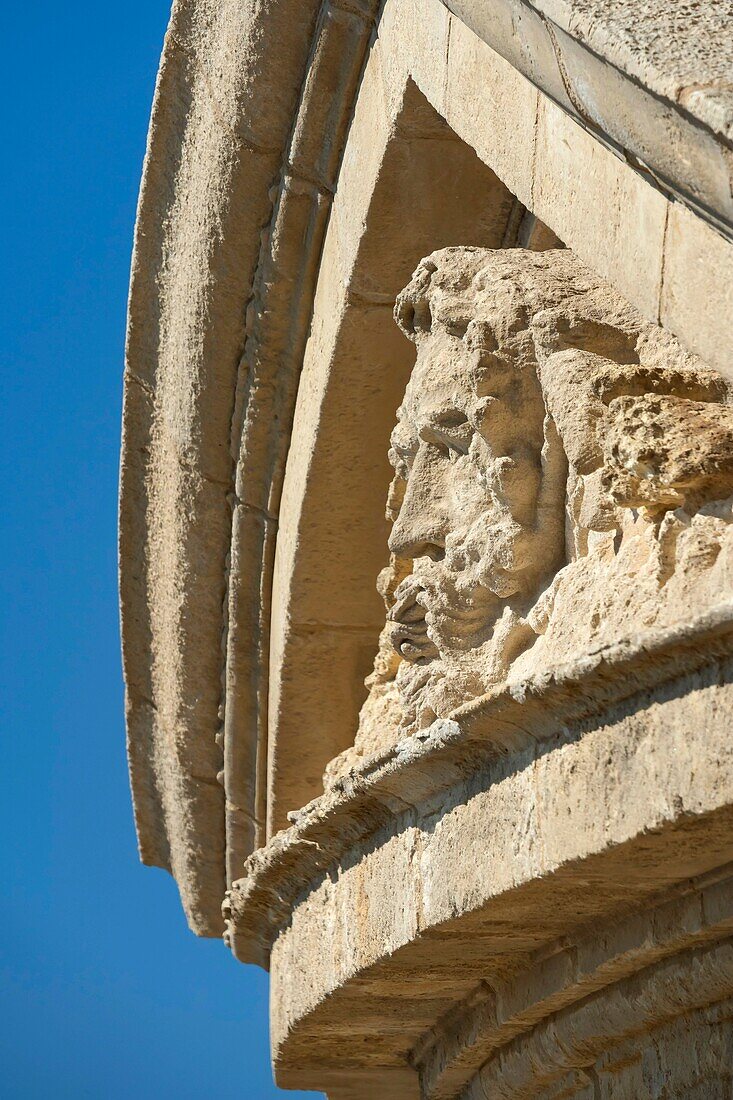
x=592, y=993
x=517, y=884
x=252, y=113
x=562, y=1052
x=418, y=774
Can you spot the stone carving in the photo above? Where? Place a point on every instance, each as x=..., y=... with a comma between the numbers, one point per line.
x=563, y=479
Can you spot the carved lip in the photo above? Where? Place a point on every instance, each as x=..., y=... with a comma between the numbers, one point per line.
x=409, y=632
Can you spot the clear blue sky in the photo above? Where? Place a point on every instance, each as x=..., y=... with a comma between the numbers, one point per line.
x=105, y=993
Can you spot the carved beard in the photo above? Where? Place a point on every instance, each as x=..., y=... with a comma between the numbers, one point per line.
x=449, y=606
x=475, y=597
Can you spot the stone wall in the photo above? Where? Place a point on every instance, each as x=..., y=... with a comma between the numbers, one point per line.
x=457, y=772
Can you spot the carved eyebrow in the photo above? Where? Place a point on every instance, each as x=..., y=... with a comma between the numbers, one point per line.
x=447, y=418
x=446, y=431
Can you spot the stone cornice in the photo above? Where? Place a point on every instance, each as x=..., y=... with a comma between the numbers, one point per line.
x=592, y=60
x=250, y=116
x=415, y=777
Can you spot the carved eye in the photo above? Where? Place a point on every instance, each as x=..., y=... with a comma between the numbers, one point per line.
x=459, y=439
x=451, y=433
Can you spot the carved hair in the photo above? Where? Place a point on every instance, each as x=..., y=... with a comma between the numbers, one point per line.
x=592, y=354
x=442, y=295
x=482, y=294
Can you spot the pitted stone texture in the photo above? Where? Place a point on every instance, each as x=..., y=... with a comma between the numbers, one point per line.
x=253, y=103
x=681, y=49
x=563, y=471
x=534, y=870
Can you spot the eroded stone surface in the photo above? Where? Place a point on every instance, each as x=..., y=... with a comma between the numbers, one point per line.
x=517, y=883
x=253, y=105
x=563, y=479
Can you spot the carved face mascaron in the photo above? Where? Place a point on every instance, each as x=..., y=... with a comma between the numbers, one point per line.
x=562, y=475
x=468, y=446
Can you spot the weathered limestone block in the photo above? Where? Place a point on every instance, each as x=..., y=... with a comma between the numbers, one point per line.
x=563, y=480
x=517, y=881
x=503, y=915
x=275, y=128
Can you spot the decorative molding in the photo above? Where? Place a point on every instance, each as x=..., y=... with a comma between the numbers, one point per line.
x=251, y=111
x=417, y=774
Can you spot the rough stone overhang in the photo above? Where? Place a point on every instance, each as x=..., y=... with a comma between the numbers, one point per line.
x=251, y=113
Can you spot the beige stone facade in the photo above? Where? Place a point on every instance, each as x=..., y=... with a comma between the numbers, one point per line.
x=427, y=534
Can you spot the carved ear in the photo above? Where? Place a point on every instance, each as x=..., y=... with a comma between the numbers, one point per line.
x=657, y=439
x=599, y=337
x=567, y=379
x=614, y=339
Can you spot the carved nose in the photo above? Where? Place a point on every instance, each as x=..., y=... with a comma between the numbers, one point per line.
x=407, y=545
x=422, y=524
